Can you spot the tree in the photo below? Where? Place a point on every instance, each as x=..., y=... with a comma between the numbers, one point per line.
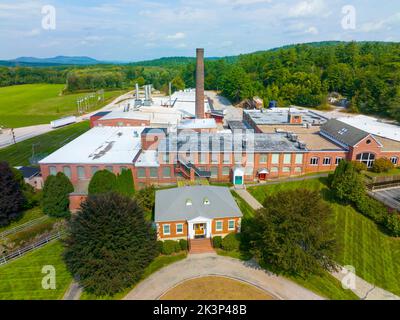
x=293, y=233
x=125, y=184
x=146, y=198
x=382, y=165
x=109, y=244
x=12, y=198
x=55, y=200
x=347, y=182
x=32, y=197
x=103, y=181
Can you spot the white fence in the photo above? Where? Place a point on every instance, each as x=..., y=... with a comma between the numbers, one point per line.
x=23, y=226
x=20, y=252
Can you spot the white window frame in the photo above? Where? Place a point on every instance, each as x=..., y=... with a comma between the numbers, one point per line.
x=176, y=226
x=338, y=159
x=52, y=170
x=216, y=225
x=299, y=158
x=286, y=169
x=394, y=160
x=169, y=229
x=327, y=159
x=316, y=162
x=263, y=158
x=275, y=158
x=141, y=170
x=234, y=225
x=287, y=158
x=78, y=171
x=274, y=169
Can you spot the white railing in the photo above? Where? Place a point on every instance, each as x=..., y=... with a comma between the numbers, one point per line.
x=22, y=226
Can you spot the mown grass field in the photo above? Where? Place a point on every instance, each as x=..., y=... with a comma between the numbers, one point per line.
x=31, y=104
x=22, y=279
x=361, y=243
x=324, y=285
x=19, y=154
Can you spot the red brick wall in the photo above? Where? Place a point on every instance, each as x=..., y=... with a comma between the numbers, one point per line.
x=173, y=233
x=363, y=146
x=75, y=201
x=121, y=123
x=225, y=224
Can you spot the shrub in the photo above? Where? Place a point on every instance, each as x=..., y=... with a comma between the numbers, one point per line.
x=217, y=242
x=55, y=200
x=109, y=244
x=146, y=198
x=169, y=247
x=231, y=242
x=103, y=181
x=125, y=183
x=183, y=244
x=392, y=223
x=177, y=246
x=371, y=208
x=382, y=165
x=160, y=246
x=359, y=166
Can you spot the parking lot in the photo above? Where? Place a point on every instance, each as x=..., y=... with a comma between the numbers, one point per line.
x=390, y=197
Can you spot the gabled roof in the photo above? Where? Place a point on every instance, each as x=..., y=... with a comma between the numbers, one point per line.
x=171, y=204
x=343, y=132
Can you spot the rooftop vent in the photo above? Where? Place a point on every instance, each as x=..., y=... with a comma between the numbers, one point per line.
x=294, y=137
x=189, y=202
x=206, y=201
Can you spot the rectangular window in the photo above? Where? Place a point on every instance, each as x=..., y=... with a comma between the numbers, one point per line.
x=81, y=173
x=297, y=169
x=227, y=158
x=203, y=158
x=248, y=171
x=226, y=171
x=274, y=169
x=338, y=159
x=141, y=173
x=231, y=225
x=299, y=158
x=153, y=172
x=314, y=161
x=67, y=171
x=263, y=158
x=326, y=161
x=238, y=157
x=94, y=169
x=219, y=225
x=214, y=158
x=166, y=157
x=179, y=228
x=214, y=172
x=166, y=172
x=275, y=158
x=166, y=229
x=286, y=169
x=287, y=158
x=52, y=170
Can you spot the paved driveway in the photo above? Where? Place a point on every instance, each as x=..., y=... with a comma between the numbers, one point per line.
x=201, y=265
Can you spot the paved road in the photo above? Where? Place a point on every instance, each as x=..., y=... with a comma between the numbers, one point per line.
x=25, y=133
x=363, y=289
x=201, y=265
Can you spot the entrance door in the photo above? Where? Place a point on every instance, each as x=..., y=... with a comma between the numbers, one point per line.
x=262, y=176
x=199, y=230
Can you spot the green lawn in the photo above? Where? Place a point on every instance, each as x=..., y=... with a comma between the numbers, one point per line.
x=375, y=256
x=155, y=265
x=19, y=154
x=30, y=104
x=22, y=279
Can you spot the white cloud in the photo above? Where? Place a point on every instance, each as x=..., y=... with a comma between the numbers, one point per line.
x=312, y=30
x=176, y=36
x=307, y=8
x=383, y=24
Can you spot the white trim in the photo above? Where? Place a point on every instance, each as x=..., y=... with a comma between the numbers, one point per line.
x=176, y=228
x=169, y=227
x=234, y=224
x=222, y=225
x=371, y=136
x=328, y=136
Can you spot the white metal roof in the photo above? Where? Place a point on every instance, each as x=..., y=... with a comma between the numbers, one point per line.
x=147, y=158
x=100, y=145
x=198, y=124
x=373, y=126
x=134, y=115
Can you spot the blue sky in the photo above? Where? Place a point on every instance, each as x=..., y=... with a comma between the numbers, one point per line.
x=132, y=30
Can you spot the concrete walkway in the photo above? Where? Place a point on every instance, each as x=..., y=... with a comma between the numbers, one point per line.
x=363, y=289
x=74, y=292
x=201, y=265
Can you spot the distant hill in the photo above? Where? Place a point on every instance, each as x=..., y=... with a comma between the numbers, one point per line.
x=55, y=61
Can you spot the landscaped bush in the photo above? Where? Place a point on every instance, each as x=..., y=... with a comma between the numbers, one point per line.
x=392, y=223
x=160, y=245
x=231, y=242
x=169, y=247
x=183, y=244
x=372, y=208
x=55, y=200
x=217, y=241
x=359, y=166
x=125, y=183
x=382, y=165
x=103, y=181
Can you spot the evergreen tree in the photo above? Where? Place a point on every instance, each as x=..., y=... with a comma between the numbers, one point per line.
x=125, y=183
x=103, y=181
x=12, y=199
x=293, y=233
x=55, y=200
x=109, y=244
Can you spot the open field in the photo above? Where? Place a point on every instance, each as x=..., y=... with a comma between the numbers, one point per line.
x=22, y=278
x=31, y=104
x=215, y=288
x=19, y=154
x=375, y=256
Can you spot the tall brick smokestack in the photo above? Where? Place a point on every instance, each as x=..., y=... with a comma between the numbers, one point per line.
x=200, y=83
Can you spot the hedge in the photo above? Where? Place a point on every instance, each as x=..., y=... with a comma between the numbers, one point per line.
x=171, y=246
x=217, y=241
x=231, y=242
x=183, y=244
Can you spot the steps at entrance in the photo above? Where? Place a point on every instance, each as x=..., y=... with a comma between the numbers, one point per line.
x=201, y=246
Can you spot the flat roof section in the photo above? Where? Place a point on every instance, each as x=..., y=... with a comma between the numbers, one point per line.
x=147, y=158
x=198, y=124
x=100, y=145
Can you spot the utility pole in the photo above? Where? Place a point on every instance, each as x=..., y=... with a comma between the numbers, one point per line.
x=170, y=93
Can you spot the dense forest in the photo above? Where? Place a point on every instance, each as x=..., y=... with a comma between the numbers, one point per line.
x=366, y=73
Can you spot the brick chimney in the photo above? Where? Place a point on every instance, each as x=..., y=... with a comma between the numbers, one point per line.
x=200, y=84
